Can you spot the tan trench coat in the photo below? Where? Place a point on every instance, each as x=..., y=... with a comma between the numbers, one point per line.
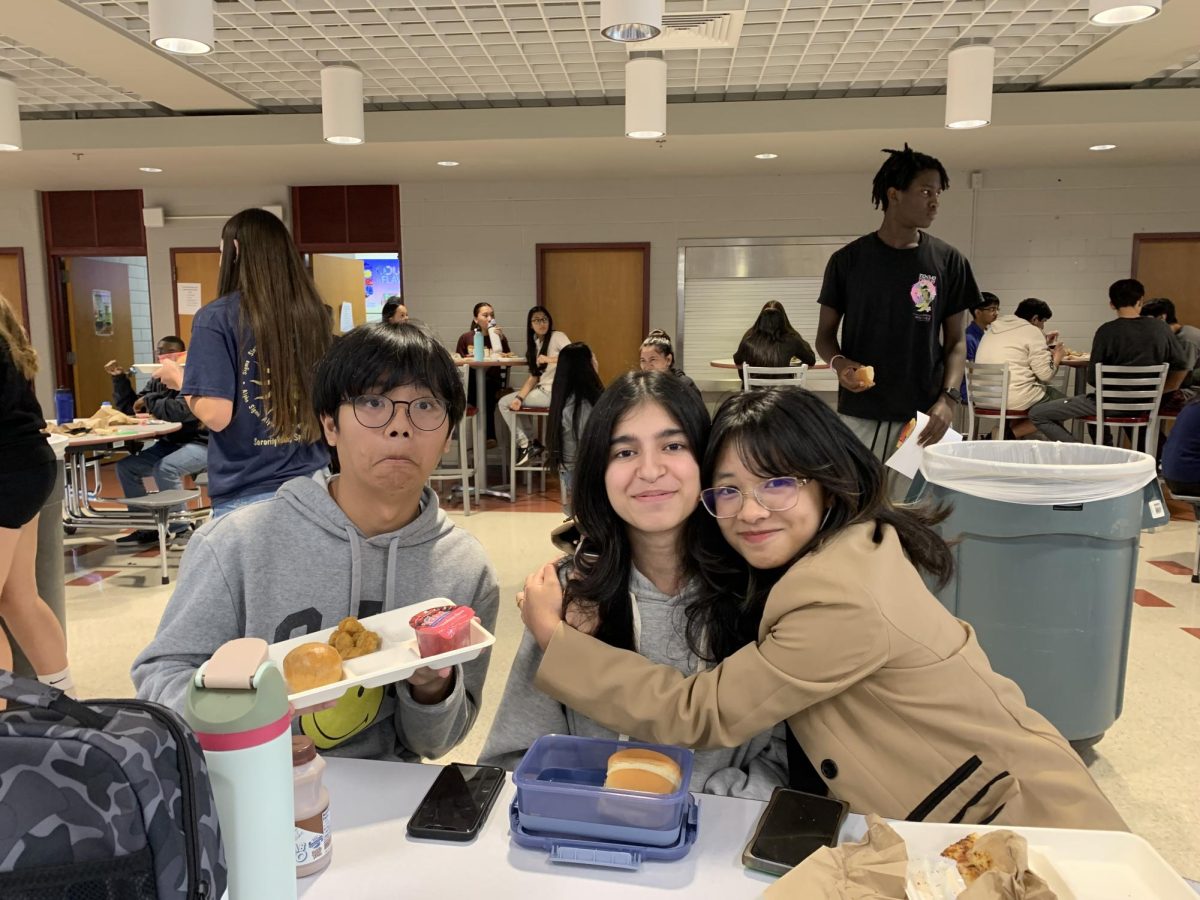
x=889, y=695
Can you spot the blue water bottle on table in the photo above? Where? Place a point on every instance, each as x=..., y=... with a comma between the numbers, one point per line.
x=237, y=705
x=479, y=346
x=64, y=406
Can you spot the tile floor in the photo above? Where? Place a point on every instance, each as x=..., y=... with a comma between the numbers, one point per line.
x=1148, y=763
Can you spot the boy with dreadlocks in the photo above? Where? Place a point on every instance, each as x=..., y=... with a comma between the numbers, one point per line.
x=900, y=296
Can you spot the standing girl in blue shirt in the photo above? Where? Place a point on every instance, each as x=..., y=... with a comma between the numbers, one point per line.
x=250, y=367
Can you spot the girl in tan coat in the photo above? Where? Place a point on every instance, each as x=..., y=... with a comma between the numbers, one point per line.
x=891, y=698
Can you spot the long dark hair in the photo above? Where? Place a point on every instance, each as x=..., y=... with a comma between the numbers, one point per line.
x=283, y=314
x=604, y=558
x=771, y=340
x=575, y=383
x=532, y=350
x=790, y=431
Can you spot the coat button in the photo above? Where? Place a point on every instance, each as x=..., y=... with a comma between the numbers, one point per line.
x=829, y=768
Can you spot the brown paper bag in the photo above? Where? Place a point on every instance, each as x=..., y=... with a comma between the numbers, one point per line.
x=1010, y=879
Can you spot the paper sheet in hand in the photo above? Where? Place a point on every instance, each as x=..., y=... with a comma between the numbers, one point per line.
x=907, y=459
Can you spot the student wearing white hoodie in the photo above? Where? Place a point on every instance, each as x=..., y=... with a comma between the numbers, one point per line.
x=361, y=542
x=1020, y=341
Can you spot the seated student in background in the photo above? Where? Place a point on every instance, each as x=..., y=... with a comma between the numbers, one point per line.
x=1181, y=453
x=1127, y=340
x=984, y=311
x=657, y=354
x=170, y=457
x=542, y=346
x=483, y=319
x=365, y=541
x=817, y=606
x=577, y=387
x=635, y=576
x=772, y=341
x=394, y=311
x=1162, y=308
x=1019, y=341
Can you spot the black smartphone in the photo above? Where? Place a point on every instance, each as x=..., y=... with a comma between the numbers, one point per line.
x=457, y=804
x=792, y=827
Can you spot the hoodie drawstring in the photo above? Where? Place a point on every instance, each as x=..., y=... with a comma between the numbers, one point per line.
x=390, y=584
x=355, y=570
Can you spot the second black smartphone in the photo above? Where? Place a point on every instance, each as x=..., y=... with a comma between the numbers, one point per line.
x=793, y=826
x=457, y=804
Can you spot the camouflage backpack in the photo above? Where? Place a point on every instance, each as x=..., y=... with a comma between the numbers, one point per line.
x=108, y=799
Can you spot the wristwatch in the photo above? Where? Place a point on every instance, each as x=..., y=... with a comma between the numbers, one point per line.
x=952, y=394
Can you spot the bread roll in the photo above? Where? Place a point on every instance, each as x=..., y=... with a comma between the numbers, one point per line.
x=311, y=665
x=643, y=770
x=865, y=376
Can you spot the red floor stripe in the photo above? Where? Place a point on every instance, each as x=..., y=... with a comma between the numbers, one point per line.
x=91, y=578
x=1194, y=632
x=146, y=554
x=1145, y=598
x=83, y=549
x=1168, y=565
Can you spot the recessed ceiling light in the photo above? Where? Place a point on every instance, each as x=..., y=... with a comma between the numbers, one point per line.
x=1122, y=12
x=766, y=156
x=1101, y=147
x=153, y=170
x=448, y=163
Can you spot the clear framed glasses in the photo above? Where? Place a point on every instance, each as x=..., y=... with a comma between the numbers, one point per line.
x=377, y=411
x=539, y=320
x=775, y=494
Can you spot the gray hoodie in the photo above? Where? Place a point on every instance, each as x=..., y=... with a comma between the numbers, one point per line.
x=293, y=565
x=751, y=771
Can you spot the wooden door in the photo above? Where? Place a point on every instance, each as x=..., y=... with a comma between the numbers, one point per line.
x=1169, y=266
x=598, y=294
x=101, y=327
x=191, y=266
x=340, y=280
x=12, y=282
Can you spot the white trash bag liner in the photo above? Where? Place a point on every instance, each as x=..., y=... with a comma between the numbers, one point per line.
x=1037, y=473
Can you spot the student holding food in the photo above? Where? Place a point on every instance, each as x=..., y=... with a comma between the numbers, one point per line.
x=819, y=583
x=635, y=575
x=368, y=540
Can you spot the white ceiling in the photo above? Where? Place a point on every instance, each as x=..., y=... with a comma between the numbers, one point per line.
x=445, y=79
x=455, y=53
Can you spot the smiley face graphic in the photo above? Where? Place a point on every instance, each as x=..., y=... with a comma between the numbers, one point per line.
x=355, y=710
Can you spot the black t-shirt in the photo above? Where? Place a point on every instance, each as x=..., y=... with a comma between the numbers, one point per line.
x=893, y=303
x=22, y=444
x=1141, y=341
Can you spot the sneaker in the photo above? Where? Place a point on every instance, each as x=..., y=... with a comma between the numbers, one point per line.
x=141, y=536
x=531, y=455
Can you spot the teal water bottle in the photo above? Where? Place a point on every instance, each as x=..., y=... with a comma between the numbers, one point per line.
x=479, y=346
x=237, y=704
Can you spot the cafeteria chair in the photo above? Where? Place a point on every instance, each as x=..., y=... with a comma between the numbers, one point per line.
x=1128, y=397
x=987, y=398
x=773, y=376
x=161, y=505
x=464, y=473
x=1195, y=504
x=539, y=415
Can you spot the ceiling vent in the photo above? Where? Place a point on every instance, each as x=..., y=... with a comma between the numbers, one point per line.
x=697, y=31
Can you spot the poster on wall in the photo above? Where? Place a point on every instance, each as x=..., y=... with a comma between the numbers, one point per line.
x=188, y=299
x=102, y=314
x=381, y=279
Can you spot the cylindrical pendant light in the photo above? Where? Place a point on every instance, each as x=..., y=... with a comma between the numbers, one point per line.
x=342, y=104
x=182, y=26
x=646, y=96
x=10, y=115
x=631, y=20
x=969, y=86
x=1122, y=12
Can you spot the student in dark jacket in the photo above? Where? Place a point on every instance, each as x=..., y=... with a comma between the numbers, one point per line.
x=168, y=459
x=772, y=341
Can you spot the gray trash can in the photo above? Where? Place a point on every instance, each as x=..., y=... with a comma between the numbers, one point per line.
x=1045, y=538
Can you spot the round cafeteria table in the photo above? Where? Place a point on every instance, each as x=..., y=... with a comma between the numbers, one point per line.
x=479, y=439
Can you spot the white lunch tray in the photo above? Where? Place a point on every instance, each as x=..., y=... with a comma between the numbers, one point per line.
x=397, y=658
x=1077, y=864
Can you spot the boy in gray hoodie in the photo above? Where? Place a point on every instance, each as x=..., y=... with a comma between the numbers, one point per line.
x=361, y=542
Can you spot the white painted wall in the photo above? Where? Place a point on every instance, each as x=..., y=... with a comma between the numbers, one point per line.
x=1061, y=235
